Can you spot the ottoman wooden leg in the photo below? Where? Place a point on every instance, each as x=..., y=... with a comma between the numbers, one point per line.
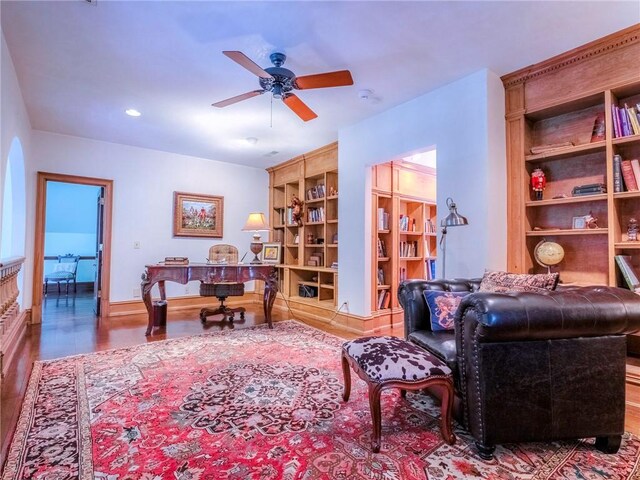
x=446, y=409
x=374, y=404
x=346, y=373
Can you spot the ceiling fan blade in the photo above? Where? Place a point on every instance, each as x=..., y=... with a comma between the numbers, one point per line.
x=340, y=78
x=299, y=107
x=237, y=98
x=244, y=61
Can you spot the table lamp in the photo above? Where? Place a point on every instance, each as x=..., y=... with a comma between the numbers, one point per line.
x=256, y=223
x=454, y=219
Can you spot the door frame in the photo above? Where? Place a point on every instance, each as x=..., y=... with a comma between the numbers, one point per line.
x=41, y=209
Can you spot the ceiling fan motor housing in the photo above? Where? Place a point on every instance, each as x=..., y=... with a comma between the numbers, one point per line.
x=283, y=80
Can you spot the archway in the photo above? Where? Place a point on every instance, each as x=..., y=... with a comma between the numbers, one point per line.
x=14, y=223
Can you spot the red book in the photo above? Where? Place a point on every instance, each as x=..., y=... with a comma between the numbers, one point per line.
x=628, y=176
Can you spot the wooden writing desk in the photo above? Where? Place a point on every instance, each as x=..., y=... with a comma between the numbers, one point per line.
x=209, y=273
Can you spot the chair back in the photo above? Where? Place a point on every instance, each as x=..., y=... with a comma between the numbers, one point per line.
x=71, y=262
x=223, y=253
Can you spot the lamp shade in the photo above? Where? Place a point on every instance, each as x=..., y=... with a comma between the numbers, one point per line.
x=255, y=222
x=454, y=219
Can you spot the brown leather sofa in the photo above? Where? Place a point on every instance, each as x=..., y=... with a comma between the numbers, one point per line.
x=532, y=366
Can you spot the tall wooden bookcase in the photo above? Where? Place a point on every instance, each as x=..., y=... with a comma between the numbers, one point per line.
x=558, y=101
x=404, y=231
x=310, y=250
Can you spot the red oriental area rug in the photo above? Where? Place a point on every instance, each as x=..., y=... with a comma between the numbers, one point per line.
x=254, y=404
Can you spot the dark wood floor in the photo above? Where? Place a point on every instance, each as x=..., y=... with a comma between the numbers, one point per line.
x=69, y=327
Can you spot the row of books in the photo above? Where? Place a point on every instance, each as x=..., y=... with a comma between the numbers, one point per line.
x=384, y=299
x=407, y=224
x=429, y=226
x=383, y=219
x=381, y=276
x=289, y=216
x=628, y=273
x=315, y=214
x=316, y=192
x=626, y=174
x=626, y=120
x=408, y=249
x=430, y=267
x=382, y=249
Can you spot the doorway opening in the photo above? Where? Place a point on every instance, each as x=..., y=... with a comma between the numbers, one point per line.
x=73, y=245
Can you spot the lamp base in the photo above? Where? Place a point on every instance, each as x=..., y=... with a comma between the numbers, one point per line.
x=256, y=248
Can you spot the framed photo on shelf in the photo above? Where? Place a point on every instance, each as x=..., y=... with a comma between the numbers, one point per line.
x=272, y=253
x=579, y=223
x=196, y=215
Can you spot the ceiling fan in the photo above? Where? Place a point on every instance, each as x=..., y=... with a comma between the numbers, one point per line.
x=281, y=81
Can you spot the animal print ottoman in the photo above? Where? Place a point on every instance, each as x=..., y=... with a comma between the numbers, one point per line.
x=388, y=362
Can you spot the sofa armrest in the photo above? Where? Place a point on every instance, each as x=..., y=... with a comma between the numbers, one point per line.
x=411, y=298
x=520, y=316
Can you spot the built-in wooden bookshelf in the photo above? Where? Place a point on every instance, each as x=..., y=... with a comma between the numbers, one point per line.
x=404, y=227
x=559, y=101
x=310, y=249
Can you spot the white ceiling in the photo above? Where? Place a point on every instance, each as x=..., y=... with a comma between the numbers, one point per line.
x=81, y=65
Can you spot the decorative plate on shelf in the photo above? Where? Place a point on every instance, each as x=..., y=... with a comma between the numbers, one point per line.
x=548, y=254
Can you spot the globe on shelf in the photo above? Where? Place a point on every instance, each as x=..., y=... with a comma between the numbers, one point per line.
x=548, y=254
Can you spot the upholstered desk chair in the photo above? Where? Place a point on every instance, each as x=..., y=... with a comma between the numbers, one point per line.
x=222, y=254
x=63, y=271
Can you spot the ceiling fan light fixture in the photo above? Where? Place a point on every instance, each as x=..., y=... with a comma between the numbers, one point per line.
x=277, y=91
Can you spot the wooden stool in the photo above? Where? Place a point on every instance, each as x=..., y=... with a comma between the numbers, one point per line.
x=388, y=362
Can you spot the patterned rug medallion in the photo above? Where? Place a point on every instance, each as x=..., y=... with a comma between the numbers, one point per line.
x=254, y=404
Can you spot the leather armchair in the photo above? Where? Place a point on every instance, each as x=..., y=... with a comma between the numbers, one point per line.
x=532, y=366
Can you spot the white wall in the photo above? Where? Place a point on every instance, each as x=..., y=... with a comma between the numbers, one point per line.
x=144, y=182
x=465, y=122
x=15, y=130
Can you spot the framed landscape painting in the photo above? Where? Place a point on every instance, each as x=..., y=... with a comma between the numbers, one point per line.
x=197, y=215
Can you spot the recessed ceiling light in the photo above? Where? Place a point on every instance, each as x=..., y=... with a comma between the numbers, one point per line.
x=251, y=140
x=132, y=112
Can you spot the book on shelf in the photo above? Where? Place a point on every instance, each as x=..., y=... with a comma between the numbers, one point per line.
x=315, y=214
x=549, y=147
x=597, y=135
x=382, y=249
x=408, y=249
x=380, y=276
x=429, y=226
x=617, y=174
x=635, y=165
x=384, y=299
x=626, y=120
x=628, y=176
x=383, y=219
x=316, y=192
x=628, y=273
x=632, y=112
x=430, y=267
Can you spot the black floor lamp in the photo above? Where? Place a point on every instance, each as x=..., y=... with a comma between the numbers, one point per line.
x=454, y=219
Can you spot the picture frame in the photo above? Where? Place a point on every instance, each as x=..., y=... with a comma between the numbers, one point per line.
x=271, y=253
x=579, y=223
x=197, y=215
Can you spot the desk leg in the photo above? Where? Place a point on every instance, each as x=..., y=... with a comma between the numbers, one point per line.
x=270, y=292
x=145, y=289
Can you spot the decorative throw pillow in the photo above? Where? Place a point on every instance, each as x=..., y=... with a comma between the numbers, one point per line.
x=518, y=282
x=442, y=307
